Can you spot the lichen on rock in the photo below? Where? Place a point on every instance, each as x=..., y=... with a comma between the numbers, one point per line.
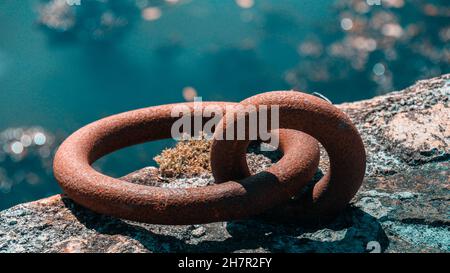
x=190, y=157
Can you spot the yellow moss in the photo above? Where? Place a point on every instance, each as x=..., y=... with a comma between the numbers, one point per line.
x=188, y=158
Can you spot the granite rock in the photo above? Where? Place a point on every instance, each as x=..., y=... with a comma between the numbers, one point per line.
x=403, y=205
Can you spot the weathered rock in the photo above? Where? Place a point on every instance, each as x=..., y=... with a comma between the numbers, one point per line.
x=403, y=205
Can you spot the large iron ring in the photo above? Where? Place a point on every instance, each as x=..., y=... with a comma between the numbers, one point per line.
x=318, y=118
x=234, y=199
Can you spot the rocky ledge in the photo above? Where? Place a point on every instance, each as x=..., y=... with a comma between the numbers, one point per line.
x=403, y=205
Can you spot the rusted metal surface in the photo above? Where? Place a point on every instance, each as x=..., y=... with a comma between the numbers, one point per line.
x=225, y=201
x=326, y=123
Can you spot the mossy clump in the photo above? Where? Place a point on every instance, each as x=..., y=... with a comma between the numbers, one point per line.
x=188, y=158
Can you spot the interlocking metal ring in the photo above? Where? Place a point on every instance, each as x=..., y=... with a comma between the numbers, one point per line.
x=234, y=199
x=318, y=118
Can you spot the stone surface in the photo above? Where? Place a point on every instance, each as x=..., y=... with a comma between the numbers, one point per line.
x=403, y=205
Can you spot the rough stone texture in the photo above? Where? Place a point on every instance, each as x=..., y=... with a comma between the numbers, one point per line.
x=403, y=205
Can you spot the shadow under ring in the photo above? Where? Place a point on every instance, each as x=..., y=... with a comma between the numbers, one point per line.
x=220, y=202
x=319, y=119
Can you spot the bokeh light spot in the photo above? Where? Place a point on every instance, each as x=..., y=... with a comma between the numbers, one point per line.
x=189, y=93
x=151, y=13
x=379, y=69
x=40, y=139
x=346, y=24
x=245, y=4
x=17, y=147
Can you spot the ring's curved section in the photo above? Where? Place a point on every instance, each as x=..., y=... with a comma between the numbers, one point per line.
x=318, y=118
x=226, y=201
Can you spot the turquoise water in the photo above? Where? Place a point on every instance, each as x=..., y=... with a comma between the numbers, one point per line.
x=200, y=44
x=116, y=56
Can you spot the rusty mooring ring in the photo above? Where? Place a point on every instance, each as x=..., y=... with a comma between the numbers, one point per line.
x=326, y=123
x=221, y=202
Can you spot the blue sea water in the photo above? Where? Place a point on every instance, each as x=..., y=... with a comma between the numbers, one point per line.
x=62, y=67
